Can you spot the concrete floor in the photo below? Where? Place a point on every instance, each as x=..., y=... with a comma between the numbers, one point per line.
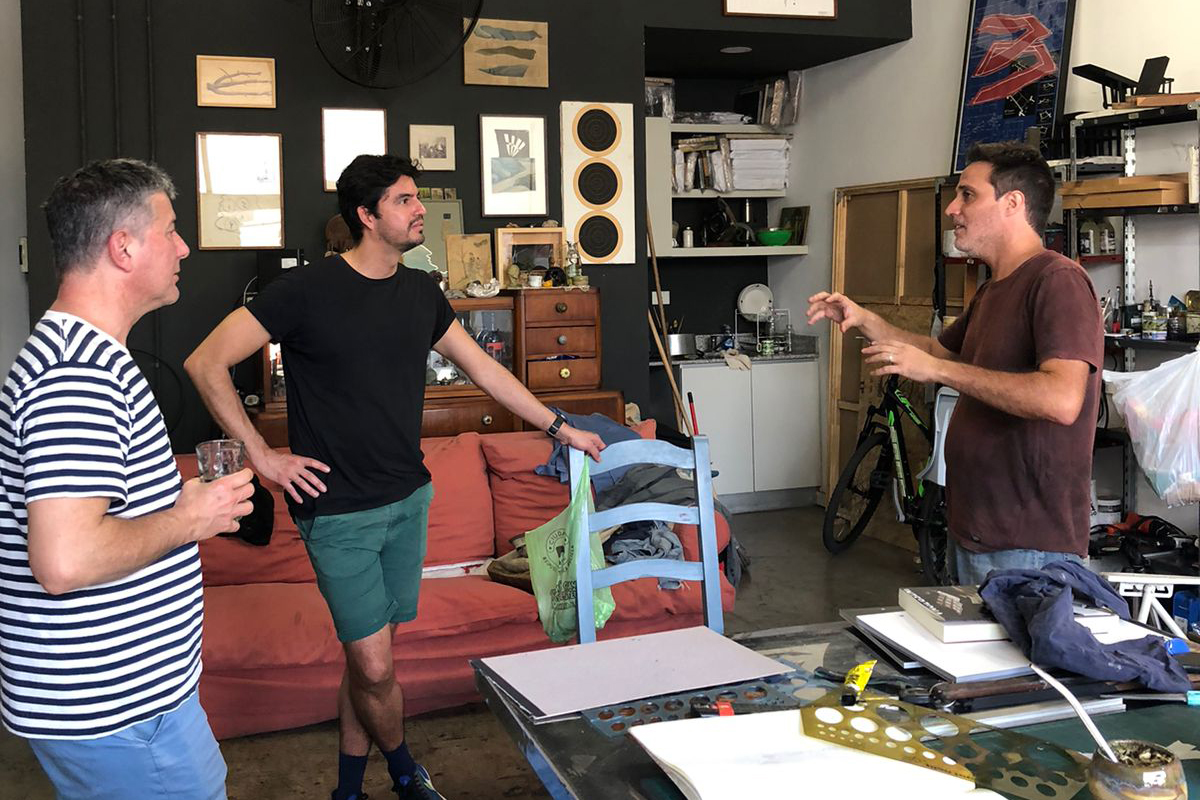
x=792, y=581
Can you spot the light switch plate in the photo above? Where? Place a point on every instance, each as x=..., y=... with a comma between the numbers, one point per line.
x=666, y=298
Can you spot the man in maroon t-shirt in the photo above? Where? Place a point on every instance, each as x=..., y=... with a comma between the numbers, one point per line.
x=1025, y=356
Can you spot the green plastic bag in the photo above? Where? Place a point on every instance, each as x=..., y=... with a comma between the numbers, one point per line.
x=552, y=569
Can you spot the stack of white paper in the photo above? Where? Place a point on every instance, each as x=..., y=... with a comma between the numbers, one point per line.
x=760, y=163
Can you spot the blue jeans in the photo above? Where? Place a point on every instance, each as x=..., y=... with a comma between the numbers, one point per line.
x=171, y=756
x=968, y=568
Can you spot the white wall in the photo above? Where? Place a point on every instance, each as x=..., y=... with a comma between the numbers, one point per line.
x=14, y=294
x=890, y=115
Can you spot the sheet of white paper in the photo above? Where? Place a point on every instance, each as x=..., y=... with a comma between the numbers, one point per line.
x=566, y=680
x=766, y=756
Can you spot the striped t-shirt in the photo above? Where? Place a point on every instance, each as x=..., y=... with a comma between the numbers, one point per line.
x=77, y=419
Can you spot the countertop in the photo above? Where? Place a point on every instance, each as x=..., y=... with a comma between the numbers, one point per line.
x=804, y=348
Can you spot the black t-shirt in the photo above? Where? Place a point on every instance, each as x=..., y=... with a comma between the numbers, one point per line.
x=354, y=355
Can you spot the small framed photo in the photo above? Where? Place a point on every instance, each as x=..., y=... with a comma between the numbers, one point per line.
x=795, y=219
x=468, y=258
x=513, y=153
x=235, y=81
x=432, y=147
x=424, y=193
x=239, y=186
x=438, y=193
x=347, y=133
x=451, y=193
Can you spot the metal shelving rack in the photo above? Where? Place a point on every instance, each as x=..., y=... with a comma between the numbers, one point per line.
x=1128, y=122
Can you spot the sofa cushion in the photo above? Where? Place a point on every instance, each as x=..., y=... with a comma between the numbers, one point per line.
x=521, y=499
x=228, y=561
x=460, y=518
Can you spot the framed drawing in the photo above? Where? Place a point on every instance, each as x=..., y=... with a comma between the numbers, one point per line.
x=347, y=133
x=235, y=81
x=239, y=186
x=468, y=258
x=795, y=219
x=804, y=9
x=505, y=52
x=1014, y=73
x=513, y=157
x=523, y=249
x=432, y=147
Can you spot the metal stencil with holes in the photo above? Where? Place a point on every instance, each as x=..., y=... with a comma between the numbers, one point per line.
x=1003, y=761
x=773, y=693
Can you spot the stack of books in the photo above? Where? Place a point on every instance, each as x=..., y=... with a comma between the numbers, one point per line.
x=759, y=162
x=735, y=161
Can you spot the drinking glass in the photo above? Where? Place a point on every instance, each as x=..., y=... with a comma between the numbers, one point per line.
x=219, y=457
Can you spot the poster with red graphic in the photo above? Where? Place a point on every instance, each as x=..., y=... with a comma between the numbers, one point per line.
x=1015, y=75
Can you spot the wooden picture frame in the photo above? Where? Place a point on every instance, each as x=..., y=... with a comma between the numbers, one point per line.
x=239, y=191
x=798, y=9
x=431, y=147
x=508, y=240
x=347, y=133
x=235, y=81
x=795, y=219
x=513, y=161
x=507, y=52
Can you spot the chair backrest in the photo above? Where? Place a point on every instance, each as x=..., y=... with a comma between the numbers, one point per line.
x=642, y=451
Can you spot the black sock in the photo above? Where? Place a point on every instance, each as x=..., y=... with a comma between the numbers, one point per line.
x=350, y=775
x=400, y=764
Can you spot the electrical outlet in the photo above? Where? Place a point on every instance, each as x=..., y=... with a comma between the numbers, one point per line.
x=666, y=298
x=23, y=254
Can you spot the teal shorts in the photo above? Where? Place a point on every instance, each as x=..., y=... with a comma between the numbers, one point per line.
x=368, y=563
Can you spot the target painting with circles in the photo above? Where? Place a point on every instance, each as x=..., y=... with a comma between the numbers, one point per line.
x=597, y=180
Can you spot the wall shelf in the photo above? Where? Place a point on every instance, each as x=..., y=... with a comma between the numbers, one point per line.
x=701, y=127
x=736, y=193
x=734, y=252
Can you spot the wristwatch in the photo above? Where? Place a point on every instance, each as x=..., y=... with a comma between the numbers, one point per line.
x=559, y=421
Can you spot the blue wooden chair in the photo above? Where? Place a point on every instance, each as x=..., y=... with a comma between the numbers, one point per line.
x=642, y=451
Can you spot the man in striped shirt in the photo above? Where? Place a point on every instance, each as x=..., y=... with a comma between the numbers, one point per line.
x=101, y=610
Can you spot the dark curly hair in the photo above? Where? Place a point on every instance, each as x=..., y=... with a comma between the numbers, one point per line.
x=363, y=183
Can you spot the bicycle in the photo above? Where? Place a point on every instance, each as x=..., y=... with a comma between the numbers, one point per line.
x=879, y=461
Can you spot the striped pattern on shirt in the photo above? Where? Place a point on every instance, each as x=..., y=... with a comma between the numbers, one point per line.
x=77, y=419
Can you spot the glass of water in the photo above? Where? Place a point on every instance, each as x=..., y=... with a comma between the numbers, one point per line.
x=219, y=457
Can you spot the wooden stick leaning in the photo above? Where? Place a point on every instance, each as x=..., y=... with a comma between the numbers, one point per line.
x=662, y=311
x=680, y=413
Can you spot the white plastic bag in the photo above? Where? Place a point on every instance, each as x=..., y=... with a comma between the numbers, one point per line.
x=1161, y=408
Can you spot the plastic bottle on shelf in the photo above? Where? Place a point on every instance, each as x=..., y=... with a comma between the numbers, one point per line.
x=689, y=238
x=1107, y=238
x=1088, y=236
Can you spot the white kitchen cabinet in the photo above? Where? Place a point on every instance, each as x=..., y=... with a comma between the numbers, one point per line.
x=723, y=411
x=787, y=444
x=762, y=424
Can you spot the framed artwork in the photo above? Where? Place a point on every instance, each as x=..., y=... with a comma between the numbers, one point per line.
x=505, y=52
x=1014, y=73
x=235, y=81
x=804, y=9
x=347, y=133
x=432, y=147
x=524, y=249
x=468, y=258
x=513, y=157
x=795, y=219
x=239, y=186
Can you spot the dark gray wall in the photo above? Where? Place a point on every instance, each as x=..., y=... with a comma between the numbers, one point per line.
x=80, y=100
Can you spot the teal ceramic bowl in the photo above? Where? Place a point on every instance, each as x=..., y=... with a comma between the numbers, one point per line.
x=774, y=236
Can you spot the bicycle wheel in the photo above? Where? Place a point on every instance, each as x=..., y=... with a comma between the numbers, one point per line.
x=857, y=493
x=931, y=533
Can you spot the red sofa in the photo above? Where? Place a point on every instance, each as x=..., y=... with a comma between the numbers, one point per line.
x=272, y=660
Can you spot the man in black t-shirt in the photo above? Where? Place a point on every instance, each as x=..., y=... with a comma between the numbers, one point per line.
x=356, y=330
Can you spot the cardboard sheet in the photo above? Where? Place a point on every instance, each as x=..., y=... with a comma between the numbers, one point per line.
x=566, y=680
x=767, y=756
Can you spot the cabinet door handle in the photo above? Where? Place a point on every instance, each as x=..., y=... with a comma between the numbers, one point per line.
x=562, y=339
x=487, y=419
x=564, y=373
x=560, y=308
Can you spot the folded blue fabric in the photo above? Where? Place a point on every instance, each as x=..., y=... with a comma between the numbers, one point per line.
x=609, y=431
x=1035, y=607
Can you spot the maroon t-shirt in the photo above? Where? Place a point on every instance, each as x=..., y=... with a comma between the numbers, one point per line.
x=1015, y=483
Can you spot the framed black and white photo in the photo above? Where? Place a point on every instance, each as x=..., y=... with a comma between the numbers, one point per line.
x=513, y=154
x=432, y=147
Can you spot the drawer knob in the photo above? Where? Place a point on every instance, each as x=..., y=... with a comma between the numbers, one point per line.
x=564, y=373
x=562, y=339
x=487, y=419
x=560, y=308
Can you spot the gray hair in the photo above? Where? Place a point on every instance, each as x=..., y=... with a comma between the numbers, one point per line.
x=86, y=207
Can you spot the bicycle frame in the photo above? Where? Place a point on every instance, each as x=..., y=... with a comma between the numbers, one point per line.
x=904, y=494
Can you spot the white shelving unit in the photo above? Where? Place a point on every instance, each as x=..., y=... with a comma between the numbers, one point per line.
x=659, y=196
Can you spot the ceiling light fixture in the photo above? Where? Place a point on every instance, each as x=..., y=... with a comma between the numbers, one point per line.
x=736, y=49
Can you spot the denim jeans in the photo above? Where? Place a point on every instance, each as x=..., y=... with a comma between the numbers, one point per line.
x=968, y=568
